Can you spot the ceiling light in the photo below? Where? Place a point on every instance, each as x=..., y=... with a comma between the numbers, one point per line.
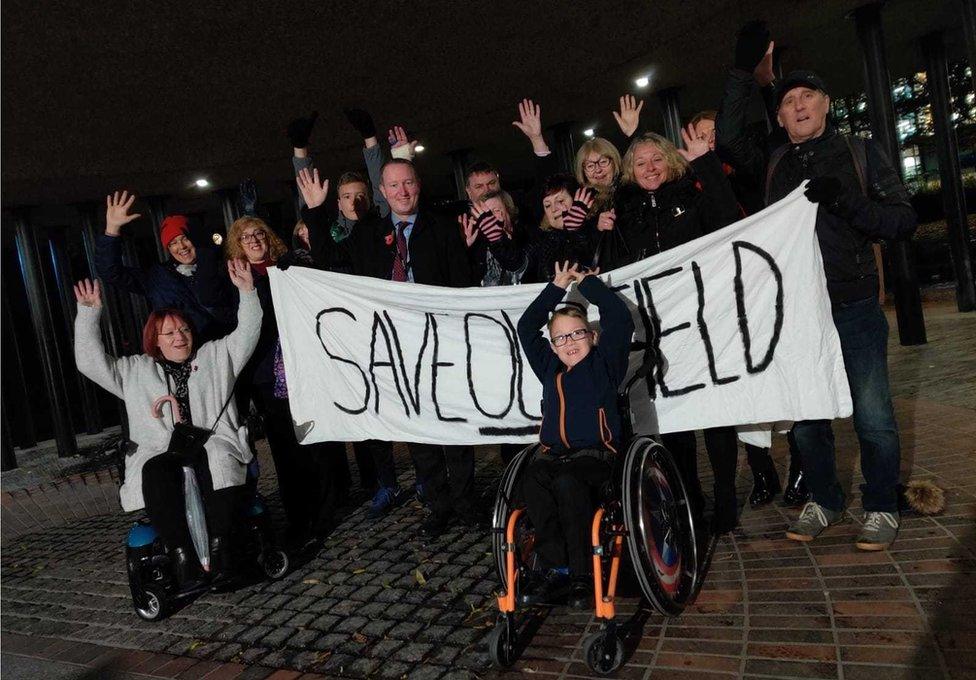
x=642, y=81
x=217, y=239
x=203, y=183
x=588, y=132
x=419, y=148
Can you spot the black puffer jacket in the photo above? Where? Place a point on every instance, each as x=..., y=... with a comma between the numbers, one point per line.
x=650, y=222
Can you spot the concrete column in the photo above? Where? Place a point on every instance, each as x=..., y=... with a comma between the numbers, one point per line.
x=671, y=111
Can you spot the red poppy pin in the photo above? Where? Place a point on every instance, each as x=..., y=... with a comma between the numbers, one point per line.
x=389, y=239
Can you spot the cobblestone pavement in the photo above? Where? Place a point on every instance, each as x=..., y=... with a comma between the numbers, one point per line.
x=376, y=601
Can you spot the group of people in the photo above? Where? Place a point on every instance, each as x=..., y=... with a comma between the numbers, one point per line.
x=213, y=334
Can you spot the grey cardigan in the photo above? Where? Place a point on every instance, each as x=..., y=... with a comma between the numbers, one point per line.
x=139, y=380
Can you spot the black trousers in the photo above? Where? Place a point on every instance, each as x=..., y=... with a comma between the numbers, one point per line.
x=509, y=451
x=304, y=478
x=722, y=447
x=447, y=475
x=760, y=460
x=162, y=489
x=560, y=496
x=375, y=461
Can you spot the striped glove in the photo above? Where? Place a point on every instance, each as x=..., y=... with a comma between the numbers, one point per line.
x=490, y=226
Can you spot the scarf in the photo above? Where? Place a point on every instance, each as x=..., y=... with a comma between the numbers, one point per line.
x=180, y=375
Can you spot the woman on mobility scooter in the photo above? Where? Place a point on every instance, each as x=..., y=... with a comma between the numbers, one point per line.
x=201, y=382
x=565, y=506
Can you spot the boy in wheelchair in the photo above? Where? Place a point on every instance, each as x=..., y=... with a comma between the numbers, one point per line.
x=580, y=428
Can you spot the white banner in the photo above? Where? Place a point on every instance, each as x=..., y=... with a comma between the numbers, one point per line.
x=741, y=317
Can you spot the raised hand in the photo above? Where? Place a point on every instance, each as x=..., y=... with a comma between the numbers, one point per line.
x=763, y=72
x=565, y=274
x=362, y=121
x=574, y=218
x=694, y=147
x=607, y=220
x=300, y=129
x=751, y=45
x=469, y=229
x=240, y=275
x=530, y=123
x=313, y=191
x=88, y=294
x=117, y=212
x=400, y=144
x=580, y=275
x=628, y=118
x=487, y=224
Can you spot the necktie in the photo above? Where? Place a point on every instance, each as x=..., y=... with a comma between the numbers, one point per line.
x=400, y=257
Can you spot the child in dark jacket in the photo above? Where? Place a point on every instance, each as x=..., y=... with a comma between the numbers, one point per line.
x=580, y=429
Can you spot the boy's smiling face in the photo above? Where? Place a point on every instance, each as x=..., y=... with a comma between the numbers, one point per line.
x=572, y=351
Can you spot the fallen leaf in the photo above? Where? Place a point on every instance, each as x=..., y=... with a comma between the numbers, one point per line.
x=419, y=577
x=311, y=581
x=358, y=571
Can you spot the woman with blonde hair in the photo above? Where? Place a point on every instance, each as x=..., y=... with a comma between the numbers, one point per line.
x=667, y=197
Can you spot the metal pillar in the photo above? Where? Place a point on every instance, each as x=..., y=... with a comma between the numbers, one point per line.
x=459, y=164
x=953, y=197
x=908, y=301
x=228, y=206
x=563, y=146
x=112, y=318
x=968, y=12
x=157, y=213
x=8, y=459
x=668, y=99
x=64, y=431
x=64, y=281
x=18, y=385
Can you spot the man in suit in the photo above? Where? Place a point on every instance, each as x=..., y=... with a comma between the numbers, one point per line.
x=410, y=244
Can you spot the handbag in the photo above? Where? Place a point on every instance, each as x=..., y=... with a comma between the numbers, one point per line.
x=187, y=441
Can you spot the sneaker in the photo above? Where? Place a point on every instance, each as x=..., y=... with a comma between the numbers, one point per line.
x=813, y=519
x=435, y=525
x=879, y=531
x=385, y=500
x=418, y=490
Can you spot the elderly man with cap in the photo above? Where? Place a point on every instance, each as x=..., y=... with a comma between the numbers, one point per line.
x=192, y=281
x=860, y=200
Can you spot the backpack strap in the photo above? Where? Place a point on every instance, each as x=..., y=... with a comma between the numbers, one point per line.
x=859, y=154
x=774, y=160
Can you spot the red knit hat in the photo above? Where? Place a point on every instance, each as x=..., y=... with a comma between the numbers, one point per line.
x=172, y=226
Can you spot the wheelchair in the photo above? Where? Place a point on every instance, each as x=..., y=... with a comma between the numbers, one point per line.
x=645, y=505
x=151, y=580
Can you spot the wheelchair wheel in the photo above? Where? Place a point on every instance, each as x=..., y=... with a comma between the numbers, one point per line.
x=505, y=502
x=501, y=644
x=155, y=603
x=604, y=652
x=660, y=526
x=275, y=563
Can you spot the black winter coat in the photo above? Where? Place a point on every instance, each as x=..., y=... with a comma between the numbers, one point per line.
x=847, y=228
x=681, y=210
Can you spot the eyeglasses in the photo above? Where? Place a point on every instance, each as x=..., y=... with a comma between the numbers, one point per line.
x=253, y=236
x=185, y=330
x=578, y=334
x=603, y=163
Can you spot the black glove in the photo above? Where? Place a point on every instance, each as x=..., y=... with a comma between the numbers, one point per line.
x=751, y=45
x=362, y=121
x=247, y=197
x=824, y=190
x=299, y=258
x=300, y=129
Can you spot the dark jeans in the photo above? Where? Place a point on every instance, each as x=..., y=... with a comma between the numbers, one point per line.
x=376, y=467
x=723, y=451
x=447, y=475
x=863, y=331
x=560, y=494
x=162, y=489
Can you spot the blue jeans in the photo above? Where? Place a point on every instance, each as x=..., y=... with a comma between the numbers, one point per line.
x=863, y=331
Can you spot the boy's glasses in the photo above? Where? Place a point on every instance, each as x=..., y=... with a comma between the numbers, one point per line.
x=578, y=334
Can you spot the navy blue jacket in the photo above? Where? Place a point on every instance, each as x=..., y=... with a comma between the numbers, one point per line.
x=579, y=404
x=207, y=298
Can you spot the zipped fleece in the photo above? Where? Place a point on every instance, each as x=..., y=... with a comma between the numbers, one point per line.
x=579, y=405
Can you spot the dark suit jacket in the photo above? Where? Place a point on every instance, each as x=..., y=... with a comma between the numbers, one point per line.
x=438, y=256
